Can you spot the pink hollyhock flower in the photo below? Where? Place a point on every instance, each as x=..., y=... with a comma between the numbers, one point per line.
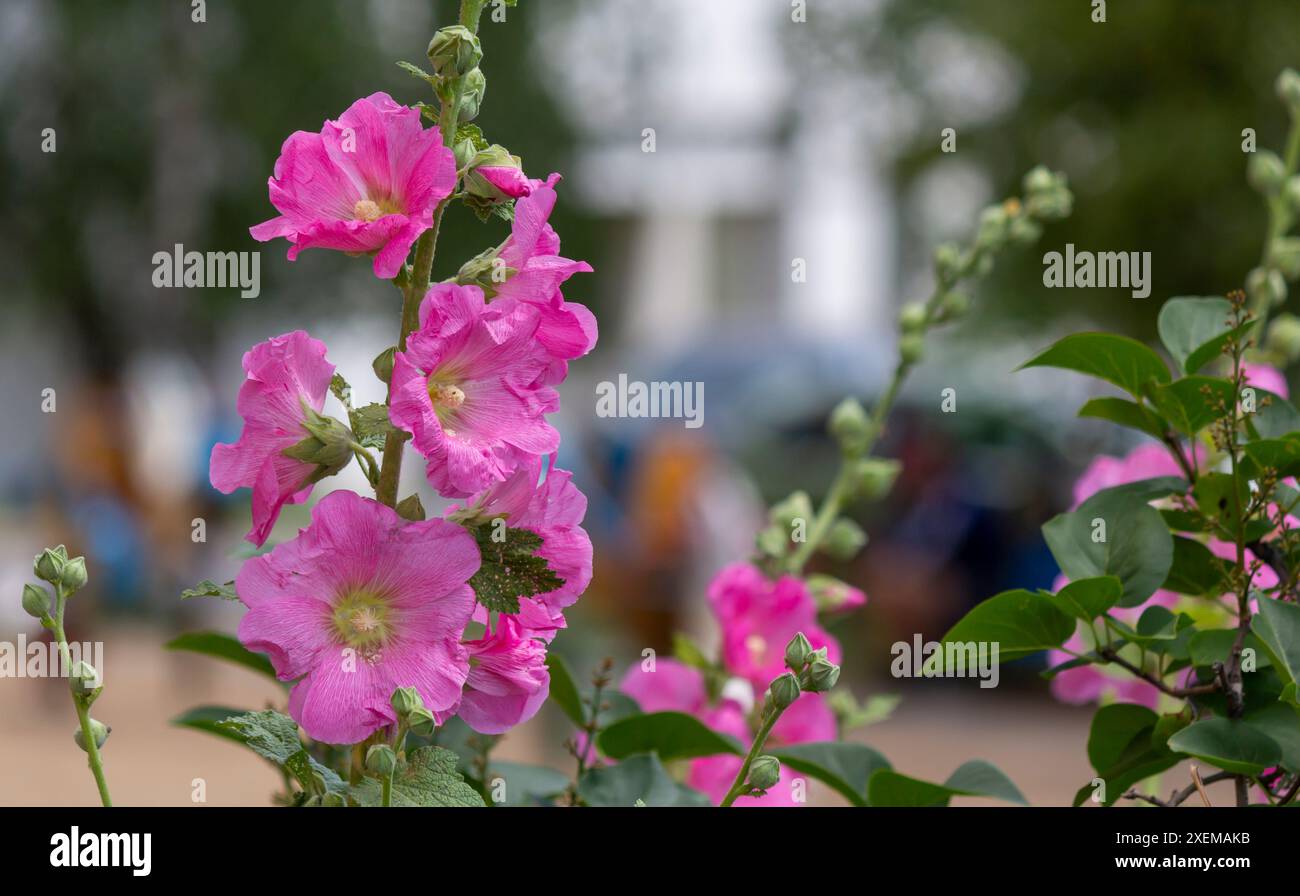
x=1270, y=379
x=467, y=389
x=552, y=508
x=808, y=720
x=283, y=374
x=507, y=178
x=361, y=603
x=759, y=617
x=368, y=182
x=673, y=686
x=1146, y=461
x=568, y=329
x=714, y=775
x=508, y=680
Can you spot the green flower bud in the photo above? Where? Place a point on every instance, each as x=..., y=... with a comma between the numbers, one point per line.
x=764, y=772
x=953, y=305
x=49, y=564
x=845, y=539
x=421, y=722
x=1047, y=195
x=1284, y=336
x=477, y=187
x=1025, y=230
x=406, y=700
x=796, y=656
x=912, y=318
x=773, y=541
x=381, y=761
x=850, y=426
x=98, y=730
x=36, y=601
x=83, y=678
x=948, y=262
x=822, y=675
x=73, y=576
x=454, y=51
x=1288, y=88
x=871, y=478
x=472, y=88
x=911, y=347
x=332, y=799
x=1265, y=171
x=784, y=690
x=1039, y=179
x=329, y=445
x=830, y=594
x=992, y=230
x=1284, y=254
x=383, y=364
x=1291, y=193
x=1266, y=285
x=798, y=506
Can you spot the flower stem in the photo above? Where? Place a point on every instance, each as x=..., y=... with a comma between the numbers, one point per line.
x=1279, y=216
x=83, y=713
x=770, y=715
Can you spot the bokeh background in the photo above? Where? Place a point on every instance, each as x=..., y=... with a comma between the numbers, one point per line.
x=775, y=140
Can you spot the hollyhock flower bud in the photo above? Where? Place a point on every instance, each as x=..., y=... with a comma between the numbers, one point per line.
x=48, y=564
x=368, y=182
x=911, y=347
x=472, y=87
x=798, y=506
x=328, y=447
x=422, y=722
x=495, y=175
x=287, y=377
x=508, y=679
x=871, y=478
x=845, y=539
x=83, y=678
x=797, y=653
x=833, y=596
x=73, y=576
x=948, y=262
x=758, y=618
x=405, y=701
x=785, y=688
x=98, y=730
x=361, y=603
x=912, y=317
x=1288, y=88
x=1284, y=336
x=955, y=304
x=454, y=51
x=1265, y=171
x=764, y=772
x=850, y=426
x=467, y=388
x=1266, y=285
x=36, y=601
x=383, y=364
x=822, y=675
x=381, y=761
x=1284, y=254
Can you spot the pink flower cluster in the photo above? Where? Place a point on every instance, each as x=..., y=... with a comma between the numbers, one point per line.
x=758, y=617
x=362, y=601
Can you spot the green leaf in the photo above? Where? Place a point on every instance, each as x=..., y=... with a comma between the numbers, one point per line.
x=1234, y=746
x=642, y=778
x=690, y=653
x=341, y=390
x=1087, y=599
x=527, y=785
x=1126, y=744
x=1213, y=646
x=564, y=690
x=672, y=735
x=852, y=715
x=274, y=737
x=974, y=778
x=370, y=424
x=1221, y=498
x=222, y=646
x=1113, y=729
x=1020, y=622
x=417, y=72
x=209, y=718
x=1274, y=416
x=1277, y=625
x=1125, y=413
x=1195, y=570
x=1193, y=402
x=1120, y=360
x=1135, y=546
x=846, y=767
x=1195, y=330
x=511, y=568
x=1282, y=724
x=209, y=588
x=1282, y=455
x=427, y=778
x=473, y=134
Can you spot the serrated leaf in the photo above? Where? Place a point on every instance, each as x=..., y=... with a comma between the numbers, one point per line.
x=416, y=72
x=370, y=424
x=209, y=718
x=473, y=134
x=208, y=588
x=274, y=737
x=341, y=390
x=427, y=778
x=511, y=568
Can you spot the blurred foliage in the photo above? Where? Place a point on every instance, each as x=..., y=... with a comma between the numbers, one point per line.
x=1144, y=112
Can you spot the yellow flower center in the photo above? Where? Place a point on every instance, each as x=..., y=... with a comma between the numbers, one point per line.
x=367, y=210
x=362, y=620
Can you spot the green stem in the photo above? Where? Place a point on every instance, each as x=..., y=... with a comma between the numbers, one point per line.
x=770, y=717
x=1279, y=216
x=83, y=713
x=387, y=785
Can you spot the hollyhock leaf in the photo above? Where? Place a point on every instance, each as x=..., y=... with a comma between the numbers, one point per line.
x=209, y=588
x=222, y=646
x=340, y=389
x=1274, y=416
x=638, y=778
x=1116, y=359
x=1195, y=329
x=1195, y=570
x=527, y=785
x=1125, y=413
x=371, y=425
x=564, y=692
x=511, y=568
x=416, y=72
x=209, y=718
x=671, y=735
x=1186, y=404
x=1021, y=622
x=1234, y=746
x=1277, y=625
x=473, y=133
x=846, y=767
x=428, y=778
x=274, y=737
x=1131, y=543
